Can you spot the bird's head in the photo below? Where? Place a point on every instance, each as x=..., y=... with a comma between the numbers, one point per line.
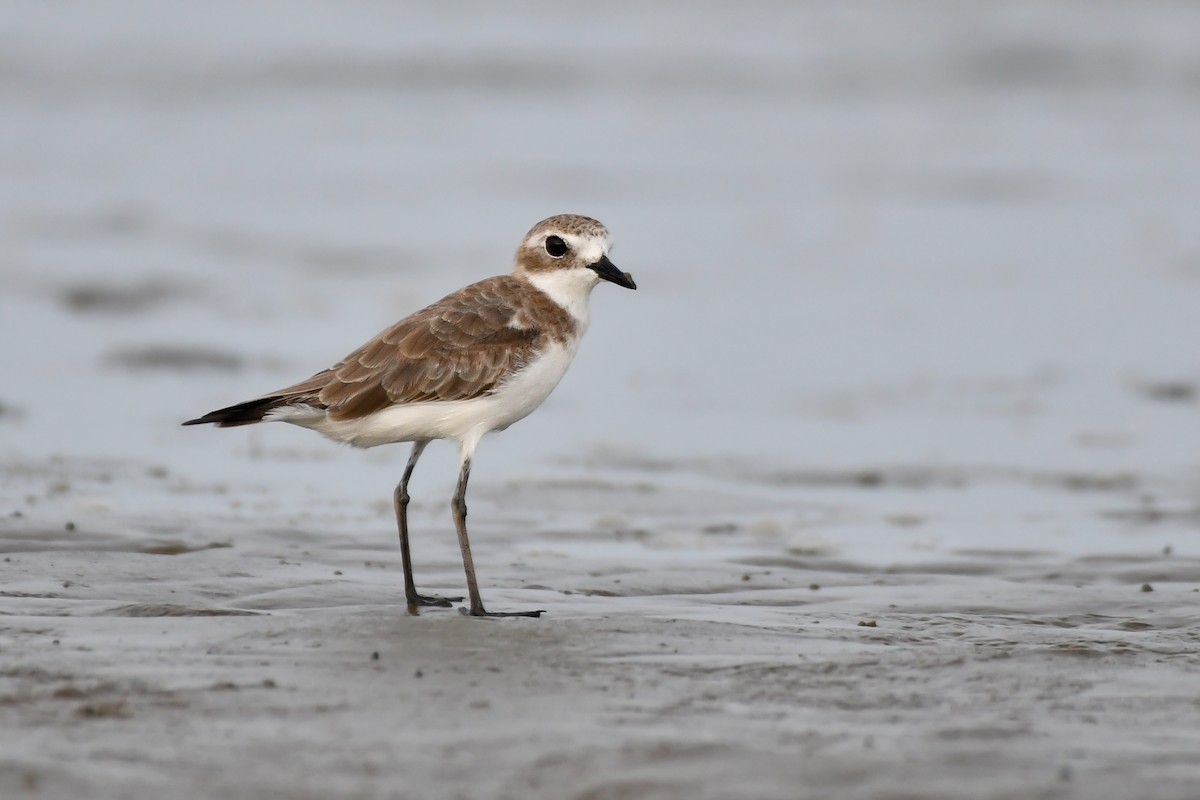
x=572, y=249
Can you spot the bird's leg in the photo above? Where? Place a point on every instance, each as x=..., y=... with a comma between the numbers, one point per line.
x=459, y=506
x=400, y=501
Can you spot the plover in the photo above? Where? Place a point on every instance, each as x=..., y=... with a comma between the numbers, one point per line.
x=474, y=362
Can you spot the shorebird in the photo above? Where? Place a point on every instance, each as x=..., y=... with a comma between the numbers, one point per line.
x=474, y=362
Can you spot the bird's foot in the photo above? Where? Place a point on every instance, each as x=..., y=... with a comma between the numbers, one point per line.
x=430, y=601
x=482, y=612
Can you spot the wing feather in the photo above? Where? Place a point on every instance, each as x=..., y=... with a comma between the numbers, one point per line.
x=461, y=347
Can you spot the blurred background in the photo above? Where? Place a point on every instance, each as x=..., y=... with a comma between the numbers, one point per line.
x=884, y=483
x=872, y=240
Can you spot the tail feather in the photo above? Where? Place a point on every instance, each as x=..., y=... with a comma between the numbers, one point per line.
x=246, y=413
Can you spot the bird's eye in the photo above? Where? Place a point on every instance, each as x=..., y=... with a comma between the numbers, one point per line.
x=556, y=247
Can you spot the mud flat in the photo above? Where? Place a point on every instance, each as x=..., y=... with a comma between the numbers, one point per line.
x=677, y=658
x=884, y=484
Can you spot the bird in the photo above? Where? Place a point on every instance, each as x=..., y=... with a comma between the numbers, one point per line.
x=474, y=362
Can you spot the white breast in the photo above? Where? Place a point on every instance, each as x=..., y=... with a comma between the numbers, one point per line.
x=525, y=391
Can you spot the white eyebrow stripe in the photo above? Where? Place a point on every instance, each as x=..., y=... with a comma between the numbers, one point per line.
x=588, y=249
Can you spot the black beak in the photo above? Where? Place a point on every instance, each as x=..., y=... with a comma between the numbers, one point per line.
x=608, y=271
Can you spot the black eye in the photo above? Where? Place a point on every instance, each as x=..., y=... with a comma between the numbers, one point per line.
x=556, y=246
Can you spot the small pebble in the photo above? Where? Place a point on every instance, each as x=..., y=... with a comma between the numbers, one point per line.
x=814, y=586
x=866, y=623
x=1147, y=587
x=70, y=526
x=375, y=656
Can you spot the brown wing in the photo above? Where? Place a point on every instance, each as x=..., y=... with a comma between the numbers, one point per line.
x=461, y=347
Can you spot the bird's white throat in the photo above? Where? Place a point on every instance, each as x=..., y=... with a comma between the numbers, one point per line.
x=569, y=288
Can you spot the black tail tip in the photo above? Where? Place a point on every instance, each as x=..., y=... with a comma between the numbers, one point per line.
x=246, y=413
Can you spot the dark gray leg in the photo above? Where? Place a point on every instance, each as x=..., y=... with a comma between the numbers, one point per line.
x=400, y=501
x=459, y=506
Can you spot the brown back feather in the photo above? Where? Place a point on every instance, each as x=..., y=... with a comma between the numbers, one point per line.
x=463, y=346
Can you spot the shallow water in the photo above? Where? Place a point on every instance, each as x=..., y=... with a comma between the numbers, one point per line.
x=917, y=296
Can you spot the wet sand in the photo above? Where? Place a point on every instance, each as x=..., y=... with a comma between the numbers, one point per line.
x=237, y=658
x=883, y=485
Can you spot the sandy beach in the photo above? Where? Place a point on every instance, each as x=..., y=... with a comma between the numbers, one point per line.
x=884, y=484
